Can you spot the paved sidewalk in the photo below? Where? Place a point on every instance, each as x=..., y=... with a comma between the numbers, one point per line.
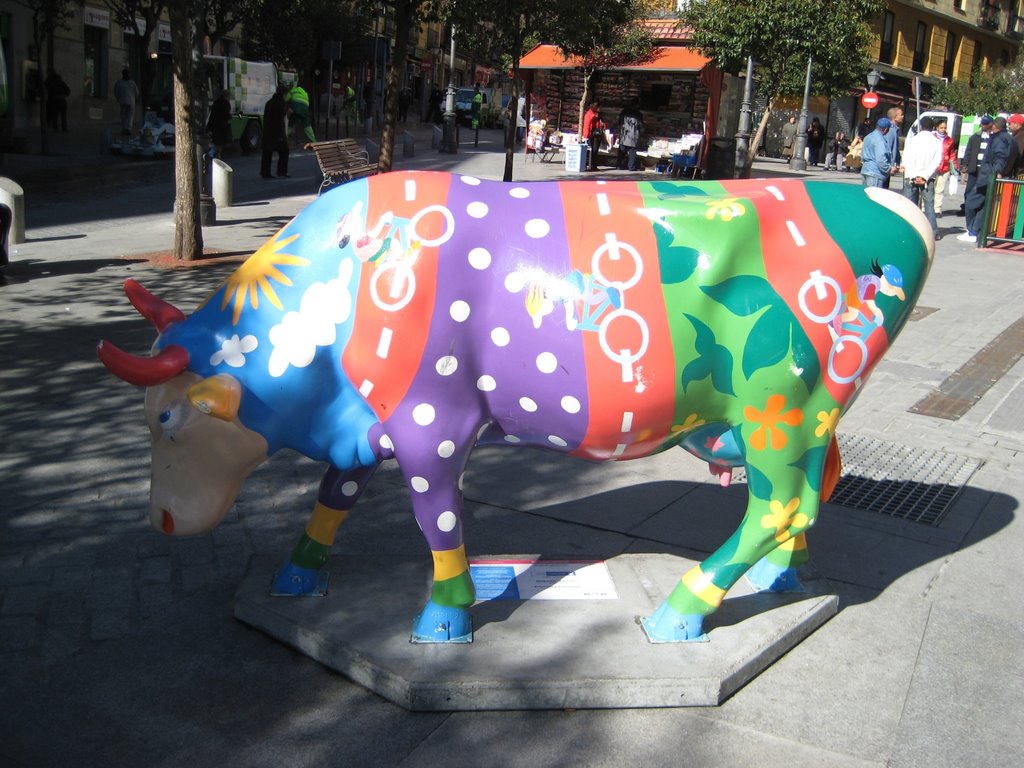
x=118, y=646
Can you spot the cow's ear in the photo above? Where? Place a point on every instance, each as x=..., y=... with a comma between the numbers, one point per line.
x=217, y=396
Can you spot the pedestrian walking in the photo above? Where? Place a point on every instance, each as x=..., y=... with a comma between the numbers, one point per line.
x=275, y=134
x=126, y=93
x=219, y=123
x=998, y=154
x=593, y=132
x=947, y=167
x=815, y=141
x=631, y=126
x=57, y=92
x=789, y=131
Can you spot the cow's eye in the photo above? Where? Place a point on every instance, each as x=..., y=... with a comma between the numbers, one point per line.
x=172, y=419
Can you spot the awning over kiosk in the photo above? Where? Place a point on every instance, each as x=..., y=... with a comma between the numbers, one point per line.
x=673, y=58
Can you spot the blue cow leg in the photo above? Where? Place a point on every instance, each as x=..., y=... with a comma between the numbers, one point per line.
x=776, y=571
x=301, y=574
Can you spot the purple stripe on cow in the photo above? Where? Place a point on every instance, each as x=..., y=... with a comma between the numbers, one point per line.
x=486, y=357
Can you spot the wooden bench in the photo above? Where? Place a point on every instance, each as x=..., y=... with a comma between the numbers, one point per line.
x=341, y=160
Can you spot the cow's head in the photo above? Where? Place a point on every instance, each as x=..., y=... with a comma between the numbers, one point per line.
x=201, y=451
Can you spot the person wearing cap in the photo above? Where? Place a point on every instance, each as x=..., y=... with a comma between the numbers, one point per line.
x=973, y=154
x=876, y=157
x=892, y=138
x=922, y=156
x=1014, y=123
x=1000, y=152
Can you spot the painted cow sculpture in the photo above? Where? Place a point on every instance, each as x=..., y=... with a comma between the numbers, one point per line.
x=416, y=315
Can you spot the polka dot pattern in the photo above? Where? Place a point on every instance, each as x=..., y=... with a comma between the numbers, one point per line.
x=491, y=368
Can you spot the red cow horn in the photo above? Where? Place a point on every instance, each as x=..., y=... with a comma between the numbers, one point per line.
x=159, y=312
x=143, y=371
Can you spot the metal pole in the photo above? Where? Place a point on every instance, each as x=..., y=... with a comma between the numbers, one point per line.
x=743, y=135
x=799, y=163
x=450, y=142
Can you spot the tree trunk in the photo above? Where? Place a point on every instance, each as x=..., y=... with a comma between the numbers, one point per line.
x=510, y=133
x=188, y=232
x=755, y=142
x=584, y=100
x=404, y=10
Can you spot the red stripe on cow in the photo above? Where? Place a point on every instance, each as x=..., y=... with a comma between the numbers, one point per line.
x=793, y=234
x=630, y=361
x=397, y=285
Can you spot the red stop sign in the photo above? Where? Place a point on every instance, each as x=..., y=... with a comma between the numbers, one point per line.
x=869, y=100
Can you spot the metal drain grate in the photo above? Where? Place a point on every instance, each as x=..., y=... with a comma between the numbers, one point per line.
x=895, y=480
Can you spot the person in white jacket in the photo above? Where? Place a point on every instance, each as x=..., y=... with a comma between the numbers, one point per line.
x=921, y=158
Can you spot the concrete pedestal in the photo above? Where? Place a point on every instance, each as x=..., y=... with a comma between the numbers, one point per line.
x=534, y=654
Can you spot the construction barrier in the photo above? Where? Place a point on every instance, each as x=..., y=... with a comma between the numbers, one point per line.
x=1003, y=218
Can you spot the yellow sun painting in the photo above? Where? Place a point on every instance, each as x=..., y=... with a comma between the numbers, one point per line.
x=255, y=274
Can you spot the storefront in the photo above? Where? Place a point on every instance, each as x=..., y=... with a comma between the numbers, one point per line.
x=677, y=90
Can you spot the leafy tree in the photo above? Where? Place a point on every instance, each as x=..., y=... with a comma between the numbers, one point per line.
x=217, y=18
x=128, y=14
x=987, y=92
x=512, y=27
x=47, y=17
x=292, y=32
x=601, y=37
x=781, y=35
x=605, y=37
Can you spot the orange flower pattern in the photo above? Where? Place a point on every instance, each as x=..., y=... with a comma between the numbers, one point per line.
x=769, y=433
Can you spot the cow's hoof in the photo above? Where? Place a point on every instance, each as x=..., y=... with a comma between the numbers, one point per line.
x=442, y=624
x=668, y=625
x=768, y=577
x=293, y=581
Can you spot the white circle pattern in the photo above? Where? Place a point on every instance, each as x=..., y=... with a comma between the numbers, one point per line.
x=423, y=414
x=537, y=228
x=500, y=336
x=447, y=365
x=479, y=258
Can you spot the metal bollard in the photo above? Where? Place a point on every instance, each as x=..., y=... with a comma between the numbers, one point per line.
x=13, y=196
x=223, y=183
x=408, y=144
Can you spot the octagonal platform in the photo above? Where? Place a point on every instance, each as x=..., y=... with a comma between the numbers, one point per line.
x=535, y=653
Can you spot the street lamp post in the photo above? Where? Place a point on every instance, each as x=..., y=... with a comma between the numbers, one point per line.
x=450, y=141
x=743, y=133
x=799, y=163
x=874, y=76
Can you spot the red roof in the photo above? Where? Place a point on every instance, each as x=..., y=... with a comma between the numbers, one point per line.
x=667, y=29
x=673, y=58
